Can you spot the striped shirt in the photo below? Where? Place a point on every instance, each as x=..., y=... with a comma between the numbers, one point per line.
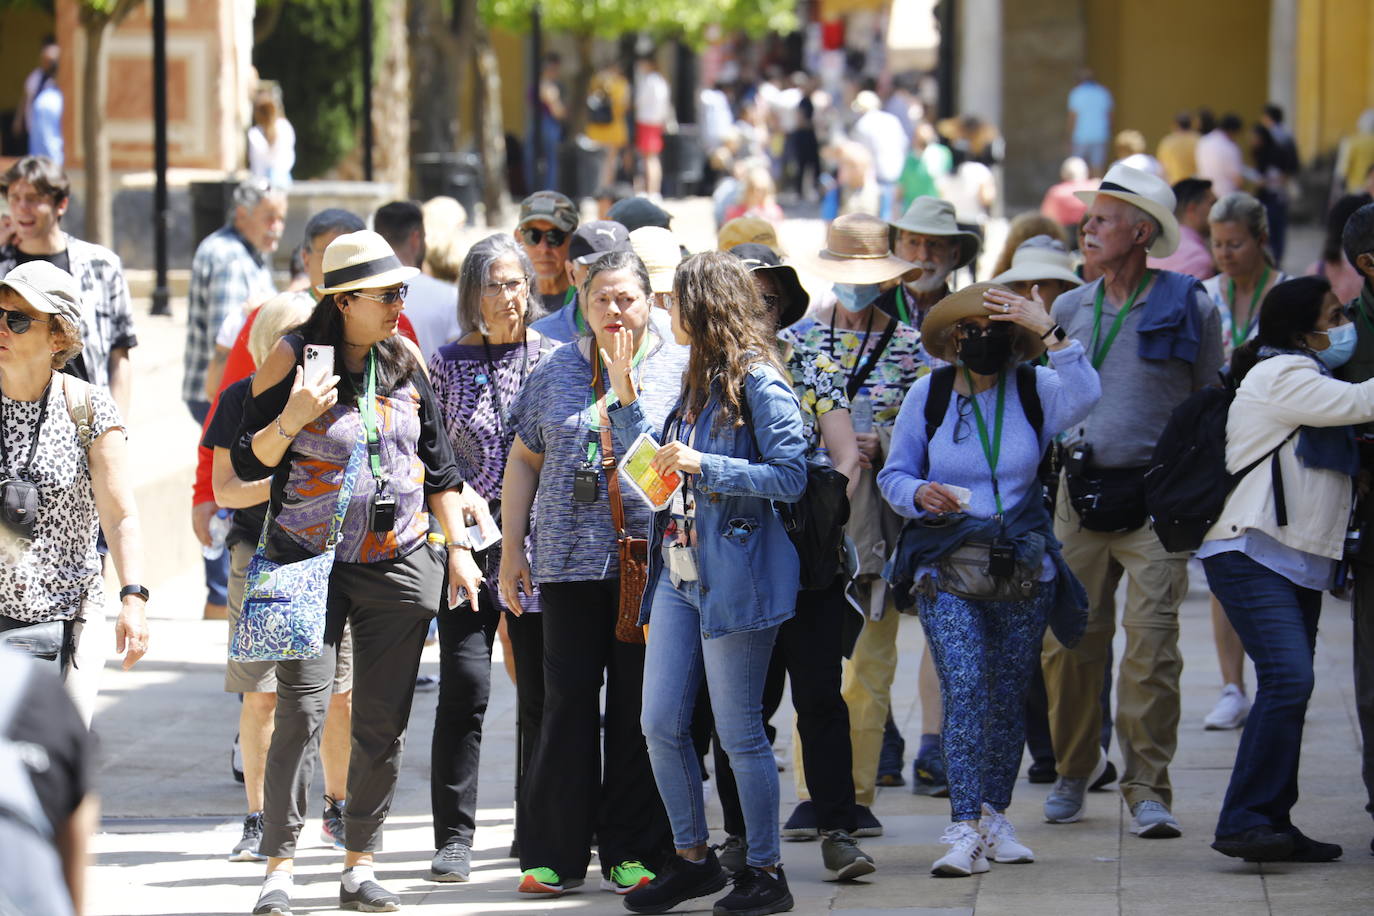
x=226, y=273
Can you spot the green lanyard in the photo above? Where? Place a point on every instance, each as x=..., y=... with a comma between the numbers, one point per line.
x=367, y=406
x=1238, y=336
x=578, y=321
x=592, y=416
x=1100, y=353
x=901, y=305
x=991, y=450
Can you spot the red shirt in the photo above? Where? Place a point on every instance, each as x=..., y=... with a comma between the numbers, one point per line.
x=1060, y=204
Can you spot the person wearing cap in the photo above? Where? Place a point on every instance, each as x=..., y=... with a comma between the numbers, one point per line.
x=966, y=491
x=637, y=212
x=928, y=236
x=386, y=579
x=476, y=380
x=589, y=242
x=556, y=472
x=1040, y=265
x=748, y=230
x=1194, y=254
x=1155, y=337
x=547, y=221
x=810, y=643
x=880, y=359
x=71, y=481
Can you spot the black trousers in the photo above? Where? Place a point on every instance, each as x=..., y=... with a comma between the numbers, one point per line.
x=567, y=794
x=1363, y=611
x=527, y=645
x=810, y=647
x=388, y=606
x=465, y=640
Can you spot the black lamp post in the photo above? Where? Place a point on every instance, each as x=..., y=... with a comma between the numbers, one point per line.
x=367, y=88
x=161, y=295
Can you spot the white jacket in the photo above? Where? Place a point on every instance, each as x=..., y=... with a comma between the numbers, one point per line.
x=1277, y=396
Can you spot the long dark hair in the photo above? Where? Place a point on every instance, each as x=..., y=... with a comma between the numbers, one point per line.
x=1287, y=315
x=720, y=307
x=395, y=363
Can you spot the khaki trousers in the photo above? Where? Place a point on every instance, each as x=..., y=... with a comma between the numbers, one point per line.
x=1147, y=709
x=866, y=686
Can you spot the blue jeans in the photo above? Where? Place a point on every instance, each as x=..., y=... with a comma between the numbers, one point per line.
x=1277, y=623
x=735, y=667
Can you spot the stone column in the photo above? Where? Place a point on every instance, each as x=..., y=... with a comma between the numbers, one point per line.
x=1283, y=57
x=980, y=58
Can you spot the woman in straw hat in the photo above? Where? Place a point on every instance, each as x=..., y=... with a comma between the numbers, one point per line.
x=385, y=581
x=972, y=489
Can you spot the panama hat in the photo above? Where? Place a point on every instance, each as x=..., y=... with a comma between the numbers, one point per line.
x=362, y=260
x=856, y=252
x=937, y=331
x=1040, y=258
x=658, y=248
x=934, y=216
x=747, y=230
x=761, y=258
x=1146, y=192
x=49, y=289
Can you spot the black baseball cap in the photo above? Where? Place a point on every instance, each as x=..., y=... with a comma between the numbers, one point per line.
x=637, y=212
x=598, y=237
x=761, y=257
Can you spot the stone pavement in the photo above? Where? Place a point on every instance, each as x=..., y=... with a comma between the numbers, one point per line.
x=172, y=811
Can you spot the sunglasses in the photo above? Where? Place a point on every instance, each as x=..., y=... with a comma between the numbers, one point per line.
x=19, y=322
x=509, y=286
x=390, y=297
x=533, y=237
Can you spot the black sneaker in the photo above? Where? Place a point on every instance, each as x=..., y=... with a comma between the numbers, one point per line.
x=675, y=882
x=842, y=859
x=1041, y=771
x=452, y=863
x=865, y=824
x=1306, y=849
x=1258, y=844
x=731, y=853
x=273, y=903
x=1107, y=778
x=890, y=758
x=370, y=897
x=802, y=824
x=756, y=893
x=332, y=830
x=247, y=848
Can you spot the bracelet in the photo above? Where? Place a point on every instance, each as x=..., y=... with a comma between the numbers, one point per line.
x=283, y=433
x=467, y=546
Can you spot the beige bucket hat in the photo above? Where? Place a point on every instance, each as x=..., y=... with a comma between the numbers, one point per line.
x=934, y=216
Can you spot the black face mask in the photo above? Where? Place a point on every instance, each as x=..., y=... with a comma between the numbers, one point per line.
x=989, y=352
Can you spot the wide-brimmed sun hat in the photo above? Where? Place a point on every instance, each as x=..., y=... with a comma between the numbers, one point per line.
x=935, y=216
x=937, y=331
x=658, y=248
x=362, y=260
x=1149, y=193
x=747, y=230
x=1038, y=258
x=856, y=252
x=49, y=289
x=762, y=259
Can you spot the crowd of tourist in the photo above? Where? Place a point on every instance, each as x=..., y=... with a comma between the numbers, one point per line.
x=382, y=450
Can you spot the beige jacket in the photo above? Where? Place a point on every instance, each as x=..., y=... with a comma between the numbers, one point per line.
x=1277, y=396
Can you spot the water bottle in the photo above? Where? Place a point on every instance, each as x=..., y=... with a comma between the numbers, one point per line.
x=861, y=410
x=219, y=528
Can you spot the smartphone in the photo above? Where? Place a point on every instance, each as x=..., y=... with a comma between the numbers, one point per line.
x=319, y=363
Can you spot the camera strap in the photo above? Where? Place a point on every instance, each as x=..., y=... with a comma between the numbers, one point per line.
x=33, y=441
x=367, y=408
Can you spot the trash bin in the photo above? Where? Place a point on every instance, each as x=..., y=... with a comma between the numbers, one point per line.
x=684, y=162
x=457, y=175
x=580, y=167
x=210, y=203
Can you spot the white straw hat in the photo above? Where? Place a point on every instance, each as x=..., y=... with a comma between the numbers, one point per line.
x=1147, y=192
x=362, y=260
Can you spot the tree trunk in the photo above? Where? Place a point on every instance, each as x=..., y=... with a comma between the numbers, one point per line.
x=95, y=148
x=437, y=70
x=492, y=143
x=575, y=123
x=391, y=100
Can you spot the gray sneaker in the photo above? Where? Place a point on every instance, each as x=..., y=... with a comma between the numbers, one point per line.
x=842, y=858
x=1064, y=804
x=452, y=863
x=1151, y=820
x=731, y=853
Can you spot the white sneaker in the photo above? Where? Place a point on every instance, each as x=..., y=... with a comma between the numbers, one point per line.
x=999, y=839
x=1230, y=712
x=965, y=858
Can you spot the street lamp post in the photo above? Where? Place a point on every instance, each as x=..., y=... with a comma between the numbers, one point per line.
x=161, y=295
x=367, y=88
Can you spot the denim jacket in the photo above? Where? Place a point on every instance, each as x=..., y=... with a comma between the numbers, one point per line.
x=748, y=580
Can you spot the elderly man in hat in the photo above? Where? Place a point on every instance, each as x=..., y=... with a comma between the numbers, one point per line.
x=927, y=236
x=547, y=221
x=589, y=242
x=1154, y=338
x=880, y=359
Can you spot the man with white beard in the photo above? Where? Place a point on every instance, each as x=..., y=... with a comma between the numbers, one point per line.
x=927, y=236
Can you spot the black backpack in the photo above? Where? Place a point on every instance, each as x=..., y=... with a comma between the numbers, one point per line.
x=942, y=386
x=1187, y=483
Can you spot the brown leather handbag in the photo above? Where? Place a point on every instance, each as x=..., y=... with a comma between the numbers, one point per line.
x=634, y=552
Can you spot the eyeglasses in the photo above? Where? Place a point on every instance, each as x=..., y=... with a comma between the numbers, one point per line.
x=507, y=286
x=390, y=297
x=534, y=236
x=19, y=322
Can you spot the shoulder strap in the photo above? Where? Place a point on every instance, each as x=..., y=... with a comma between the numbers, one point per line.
x=81, y=411
x=866, y=369
x=937, y=399
x=1029, y=394
x=608, y=455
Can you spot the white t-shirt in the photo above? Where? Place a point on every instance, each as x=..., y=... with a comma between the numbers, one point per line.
x=651, y=99
x=273, y=161
x=886, y=141
x=432, y=307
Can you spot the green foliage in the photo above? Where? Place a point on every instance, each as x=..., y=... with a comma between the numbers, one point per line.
x=314, y=53
x=687, y=19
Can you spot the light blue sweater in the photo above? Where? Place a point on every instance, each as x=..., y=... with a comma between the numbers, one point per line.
x=1067, y=392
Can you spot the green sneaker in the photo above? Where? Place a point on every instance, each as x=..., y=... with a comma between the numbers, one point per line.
x=626, y=877
x=544, y=881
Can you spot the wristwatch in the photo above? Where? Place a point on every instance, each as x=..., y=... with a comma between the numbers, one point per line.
x=137, y=590
x=1058, y=332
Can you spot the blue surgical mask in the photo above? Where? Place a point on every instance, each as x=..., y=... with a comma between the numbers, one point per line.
x=1342, y=347
x=856, y=298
